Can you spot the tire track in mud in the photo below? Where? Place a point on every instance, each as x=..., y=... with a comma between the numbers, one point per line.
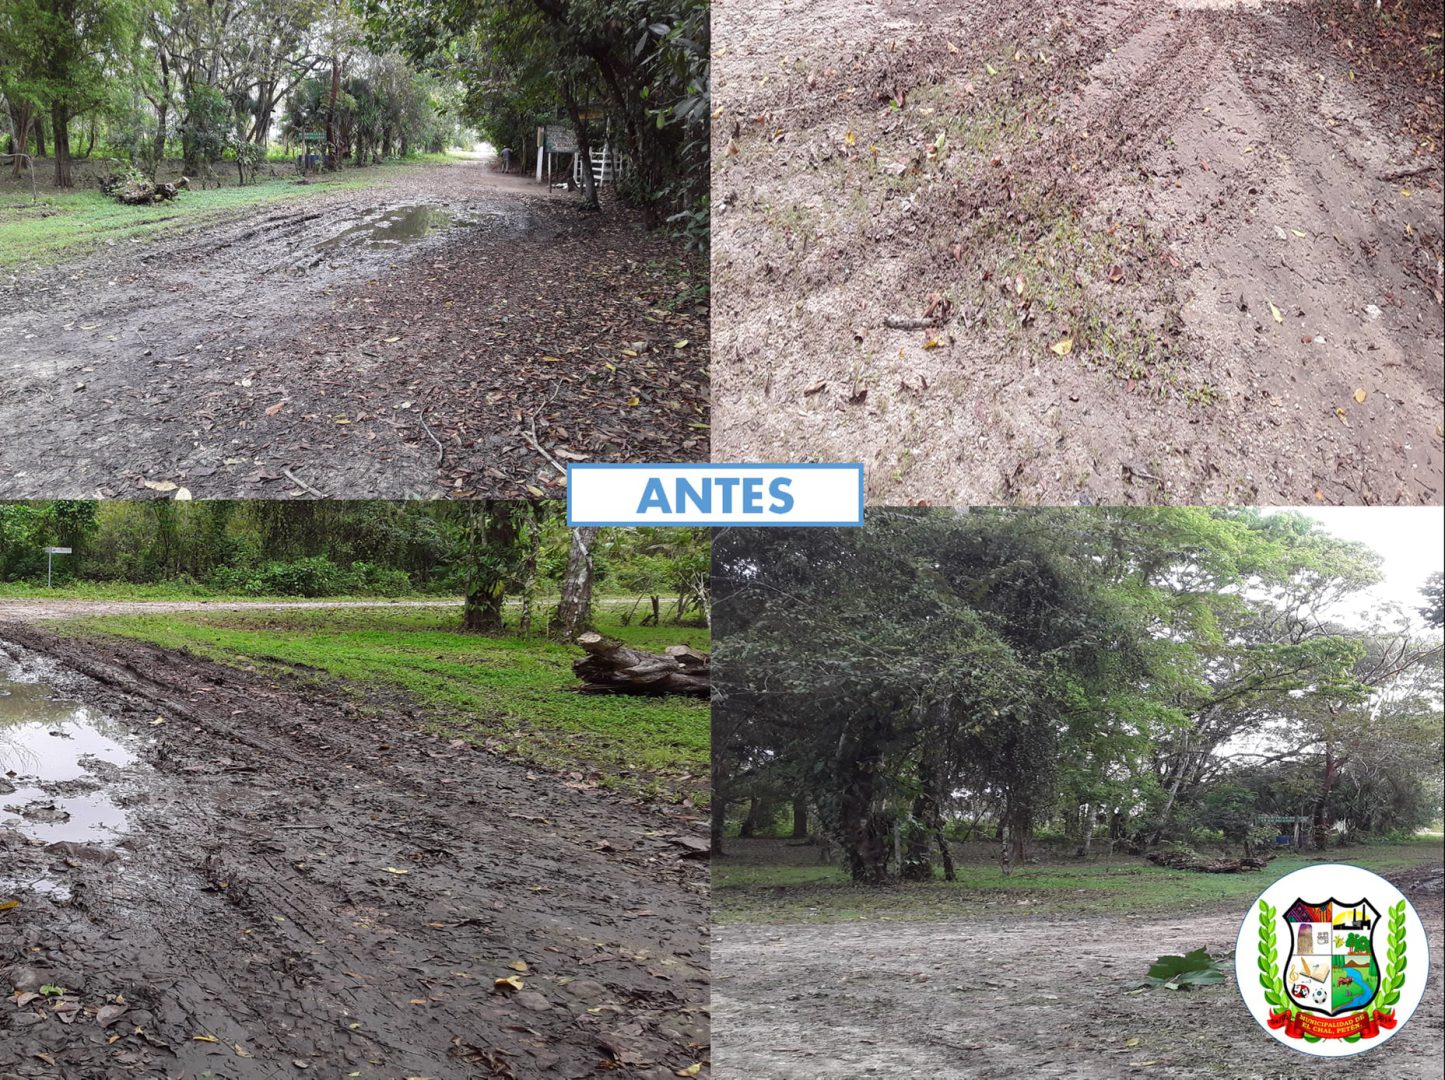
x=261, y=909
x=144, y=361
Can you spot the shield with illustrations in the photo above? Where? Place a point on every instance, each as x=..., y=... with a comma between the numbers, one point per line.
x=1331, y=968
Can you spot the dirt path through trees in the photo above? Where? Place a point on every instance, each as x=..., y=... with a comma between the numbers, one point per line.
x=996, y=998
x=412, y=337
x=1107, y=251
x=307, y=887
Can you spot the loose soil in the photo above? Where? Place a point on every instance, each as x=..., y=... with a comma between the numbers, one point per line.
x=446, y=329
x=303, y=886
x=996, y=997
x=1130, y=250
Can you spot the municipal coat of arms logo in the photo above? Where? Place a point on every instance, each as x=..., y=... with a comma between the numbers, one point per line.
x=1327, y=976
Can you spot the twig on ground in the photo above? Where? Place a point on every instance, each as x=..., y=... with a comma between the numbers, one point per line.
x=302, y=483
x=536, y=443
x=441, y=450
x=1402, y=174
x=905, y=322
x=531, y=438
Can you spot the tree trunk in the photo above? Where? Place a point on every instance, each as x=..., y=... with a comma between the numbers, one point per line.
x=1168, y=808
x=20, y=140
x=39, y=124
x=574, y=610
x=331, y=147
x=749, y=828
x=1320, y=821
x=584, y=148
x=163, y=110
x=916, y=863
x=800, y=818
x=60, y=120
x=529, y=570
x=492, y=541
x=719, y=813
x=863, y=831
x=945, y=855
x=613, y=668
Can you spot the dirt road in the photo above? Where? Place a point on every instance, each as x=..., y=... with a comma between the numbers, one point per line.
x=419, y=335
x=999, y=998
x=1083, y=251
x=300, y=886
x=45, y=610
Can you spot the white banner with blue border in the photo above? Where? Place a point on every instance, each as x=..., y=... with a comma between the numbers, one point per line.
x=715, y=494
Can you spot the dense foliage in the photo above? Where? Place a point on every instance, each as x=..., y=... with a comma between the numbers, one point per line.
x=1127, y=677
x=146, y=78
x=491, y=552
x=631, y=73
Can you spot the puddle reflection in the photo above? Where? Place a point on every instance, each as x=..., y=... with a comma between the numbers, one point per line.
x=56, y=760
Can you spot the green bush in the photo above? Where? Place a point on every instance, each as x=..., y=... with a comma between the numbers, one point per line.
x=310, y=577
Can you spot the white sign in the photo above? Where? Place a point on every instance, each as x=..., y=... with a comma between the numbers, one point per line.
x=715, y=494
x=57, y=551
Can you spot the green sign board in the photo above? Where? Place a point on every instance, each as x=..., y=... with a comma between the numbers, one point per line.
x=314, y=136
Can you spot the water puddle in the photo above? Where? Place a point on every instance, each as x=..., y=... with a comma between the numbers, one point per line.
x=59, y=760
x=393, y=226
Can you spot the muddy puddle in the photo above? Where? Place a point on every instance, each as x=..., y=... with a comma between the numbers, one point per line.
x=396, y=225
x=59, y=760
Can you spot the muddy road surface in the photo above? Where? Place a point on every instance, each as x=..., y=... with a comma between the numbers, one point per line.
x=993, y=999
x=226, y=875
x=1097, y=251
x=441, y=329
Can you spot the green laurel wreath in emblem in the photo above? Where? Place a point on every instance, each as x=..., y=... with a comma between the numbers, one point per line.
x=1394, y=979
x=1269, y=976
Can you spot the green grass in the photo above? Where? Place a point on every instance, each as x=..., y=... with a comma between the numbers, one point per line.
x=516, y=695
x=125, y=591
x=69, y=223
x=770, y=882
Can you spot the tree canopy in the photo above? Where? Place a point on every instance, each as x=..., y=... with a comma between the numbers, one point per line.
x=1148, y=675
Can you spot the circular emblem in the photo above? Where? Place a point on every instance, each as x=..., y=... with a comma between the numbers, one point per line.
x=1331, y=960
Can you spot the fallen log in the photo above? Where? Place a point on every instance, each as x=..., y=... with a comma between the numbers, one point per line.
x=1188, y=860
x=134, y=192
x=611, y=667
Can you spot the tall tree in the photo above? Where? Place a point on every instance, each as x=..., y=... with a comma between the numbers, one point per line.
x=574, y=610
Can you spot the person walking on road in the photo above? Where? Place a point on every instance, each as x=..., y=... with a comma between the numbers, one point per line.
x=506, y=159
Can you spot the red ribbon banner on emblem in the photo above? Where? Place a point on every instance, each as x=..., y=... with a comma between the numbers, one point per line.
x=1365, y=1025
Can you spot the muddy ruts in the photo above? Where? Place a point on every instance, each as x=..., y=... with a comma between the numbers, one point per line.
x=311, y=878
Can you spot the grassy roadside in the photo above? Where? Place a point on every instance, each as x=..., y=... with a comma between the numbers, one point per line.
x=768, y=882
x=69, y=223
x=121, y=591
x=515, y=695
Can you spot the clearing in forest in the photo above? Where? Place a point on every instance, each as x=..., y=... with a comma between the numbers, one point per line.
x=1037, y=971
x=1096, y=251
